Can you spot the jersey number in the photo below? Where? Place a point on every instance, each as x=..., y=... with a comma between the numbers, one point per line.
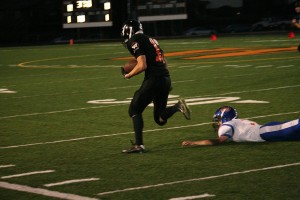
x=159, y=55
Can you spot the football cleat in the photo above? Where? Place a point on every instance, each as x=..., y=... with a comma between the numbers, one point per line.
x=135, y=149
x=183, y=107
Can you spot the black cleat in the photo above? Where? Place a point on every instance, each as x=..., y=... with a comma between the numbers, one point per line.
x=183, y=107
x=135, y=149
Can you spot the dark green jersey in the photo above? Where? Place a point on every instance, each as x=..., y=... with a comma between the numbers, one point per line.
x=140, y=44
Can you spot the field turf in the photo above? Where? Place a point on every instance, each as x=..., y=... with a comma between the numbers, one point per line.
x=64, y=122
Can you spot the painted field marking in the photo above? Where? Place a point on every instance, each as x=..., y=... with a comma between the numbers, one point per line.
x=76, y=92
x=127, y=133
x=286, y=66
x=6, y=166
x=194, y=197
x=242, y=52
x=250, y=101
x=204, y=66
x=71, y=181
x=240, y=61
x=23, y=64
x=43, y=192
x=96, y=107
x=27, y=174
x=55, y=112
x=6, y=91
x=198, y=179
x=264, y=66
x=260, y=41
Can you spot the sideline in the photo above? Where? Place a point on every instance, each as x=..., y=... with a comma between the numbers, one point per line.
x=199, y=179
x=127, y=133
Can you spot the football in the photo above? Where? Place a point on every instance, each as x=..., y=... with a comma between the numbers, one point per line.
x=129, y=65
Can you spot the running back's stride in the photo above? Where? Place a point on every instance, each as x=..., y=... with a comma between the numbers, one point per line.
x=156, y=85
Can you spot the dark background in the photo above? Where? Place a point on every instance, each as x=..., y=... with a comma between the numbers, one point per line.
x=25, y=22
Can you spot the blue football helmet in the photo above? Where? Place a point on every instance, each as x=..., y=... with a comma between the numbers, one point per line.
x=223, y=114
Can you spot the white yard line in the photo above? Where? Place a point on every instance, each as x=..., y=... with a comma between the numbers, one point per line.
x=6, y=166
x=27, y=174
x=286, y=66
x=265, y=66
x=257, y=90
x=199, y=179
x=43, y=192
x=127, y=133
x=194, y=197
x=71, y=181
x=99, y=136
x=55, y=112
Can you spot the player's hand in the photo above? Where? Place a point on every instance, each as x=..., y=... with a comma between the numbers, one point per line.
x=294, y=21
x=126, y=76
x=123, y=72
x=187, y=143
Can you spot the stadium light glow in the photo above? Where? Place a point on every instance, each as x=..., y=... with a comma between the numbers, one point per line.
x=70, y=7
x=81, y=18
x=69, y=19
x=107, y=17
x=107, y=6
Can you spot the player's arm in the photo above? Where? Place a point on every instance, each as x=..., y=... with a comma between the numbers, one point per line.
x=140, y=67
x=210, y=142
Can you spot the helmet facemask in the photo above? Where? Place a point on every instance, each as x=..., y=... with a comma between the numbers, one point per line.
x=216, y=123
x=127, y=33
x=222, y=115
x=130, y=28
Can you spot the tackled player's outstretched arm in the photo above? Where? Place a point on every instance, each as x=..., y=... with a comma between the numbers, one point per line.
x=210, y=142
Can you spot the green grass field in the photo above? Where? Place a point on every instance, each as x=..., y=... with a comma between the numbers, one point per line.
x=64, y=122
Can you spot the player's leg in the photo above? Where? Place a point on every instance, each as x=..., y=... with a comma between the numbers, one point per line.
x=161, y=112
x=276, y=131
x=141, y=99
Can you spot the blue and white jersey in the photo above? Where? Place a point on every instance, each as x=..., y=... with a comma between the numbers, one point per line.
x=241, y=130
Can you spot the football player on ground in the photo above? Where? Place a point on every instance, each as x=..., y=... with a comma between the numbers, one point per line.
x=156, y=85
x=230, y=128
x=296, y=22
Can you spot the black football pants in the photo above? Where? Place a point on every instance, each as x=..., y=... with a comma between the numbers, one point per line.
x=156, y=90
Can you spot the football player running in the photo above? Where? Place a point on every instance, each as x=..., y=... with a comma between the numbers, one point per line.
x=230, y=128
x=296, y=22
x=155, y=86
